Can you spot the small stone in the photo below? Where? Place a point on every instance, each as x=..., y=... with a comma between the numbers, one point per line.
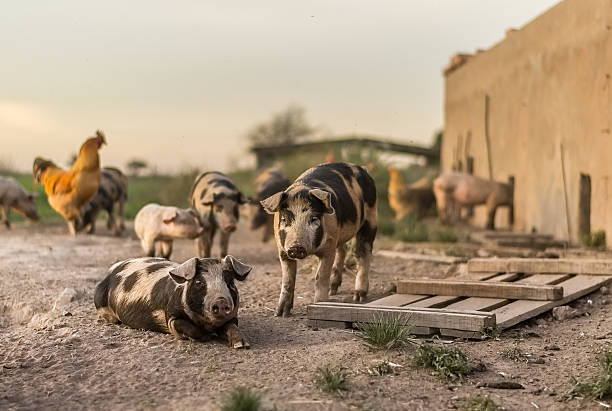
x=563, y=312
x=552, y=348
x=604, y=290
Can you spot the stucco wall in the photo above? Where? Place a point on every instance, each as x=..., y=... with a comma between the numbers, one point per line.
x=549, y=85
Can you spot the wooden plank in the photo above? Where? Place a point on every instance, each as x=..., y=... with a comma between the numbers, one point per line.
x=397, y=300
x=441, y=259
x=474, y=335
x=481, y=289
x=573, y=288
x=328, y=324
x=443, y=300
x=419, y=317
x=436, y=301
x=488, y=304
x=541, y=265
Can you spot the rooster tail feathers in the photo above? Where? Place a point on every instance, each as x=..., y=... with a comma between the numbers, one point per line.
x=39, y=167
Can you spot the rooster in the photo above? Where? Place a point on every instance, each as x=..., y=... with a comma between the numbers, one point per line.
x=417, y=198
x=69, y=190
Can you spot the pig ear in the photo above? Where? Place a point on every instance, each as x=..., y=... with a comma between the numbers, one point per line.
x=272, y=203
x=325, y=198
x=169, y=216
x=185, y=271
x=240, y=269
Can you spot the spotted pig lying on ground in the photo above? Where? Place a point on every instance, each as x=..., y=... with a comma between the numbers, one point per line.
x=323, y=209
x=191, y=300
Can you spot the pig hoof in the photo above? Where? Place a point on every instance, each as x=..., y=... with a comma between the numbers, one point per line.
x=243, y=344
x=359, y=296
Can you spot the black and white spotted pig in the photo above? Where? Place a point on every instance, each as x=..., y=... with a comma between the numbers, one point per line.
x=190, y=300
x=268, y=182
x=216, y=199
x=323, y=209
x=112, y=190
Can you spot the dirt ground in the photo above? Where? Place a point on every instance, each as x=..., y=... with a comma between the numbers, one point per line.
x=55, y=354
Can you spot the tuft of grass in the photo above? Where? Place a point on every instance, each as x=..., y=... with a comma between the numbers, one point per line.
x=596, y=240
x=383, y=367
x=410, y=229
x=514, y=354
x=242, y=399
x=448, y=362
x=444, y=235
x=600, y=388
x=385, y=331
x=331, y=380
x=478, y=403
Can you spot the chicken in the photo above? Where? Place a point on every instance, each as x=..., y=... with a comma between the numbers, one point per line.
x=69, y=190
x=417, y=198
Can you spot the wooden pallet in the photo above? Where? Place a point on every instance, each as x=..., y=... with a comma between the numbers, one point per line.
x=470, y=316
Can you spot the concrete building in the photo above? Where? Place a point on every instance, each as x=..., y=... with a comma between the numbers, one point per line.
x=537, y=108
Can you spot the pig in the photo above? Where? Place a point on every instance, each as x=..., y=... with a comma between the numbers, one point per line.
x=157, y=226
x=112, y=190
x=454, y=190
x=268, y=182
x=216, y=200
x=191, y=300
x=415, y=199
x=323, y=209
x=13, y=195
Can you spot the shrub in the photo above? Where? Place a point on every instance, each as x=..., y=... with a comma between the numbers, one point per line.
x=385, y=332
x=331, y=380
x=600, y=388
x=448, y=362
x=242, y=399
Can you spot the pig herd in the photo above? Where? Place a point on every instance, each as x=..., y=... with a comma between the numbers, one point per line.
x=317, y=214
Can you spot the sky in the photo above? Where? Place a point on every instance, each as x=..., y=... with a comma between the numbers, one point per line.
x=180, y=83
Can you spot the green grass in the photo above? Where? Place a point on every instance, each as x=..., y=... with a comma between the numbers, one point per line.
x=478, y=403
x=595, y=240
x=385, y=332
x=331, y=380
x=242, y=399
x=601, y=388
x=444, y=235
x=410, y=229
x=448, y=362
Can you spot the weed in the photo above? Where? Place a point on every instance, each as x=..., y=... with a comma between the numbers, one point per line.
x=410, y=229
x=444, y=235
x=600, y=388
x=478, y=403
x=242, y=399
x=331, y=380
x=514, y=353
x=382, y=368
x=386, y=331
x=491, y=332
x=596, y=240
x=448, y=362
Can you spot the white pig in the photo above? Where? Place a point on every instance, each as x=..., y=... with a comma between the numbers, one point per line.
x=13, y=195
x=157, y=226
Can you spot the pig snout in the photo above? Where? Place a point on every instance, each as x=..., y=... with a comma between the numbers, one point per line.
x=296, y=251
x=221, y=307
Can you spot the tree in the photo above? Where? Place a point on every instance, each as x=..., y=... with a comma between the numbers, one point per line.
x=135, y=166
x=286, y=127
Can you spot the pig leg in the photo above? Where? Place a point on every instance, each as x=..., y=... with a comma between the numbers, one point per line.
x=5, y=215
x=337, y=269
x=285, y=301
x=204, y=244
x=224, y=242
x=231, y=333
x=364, y=242
x=183, y=329
x=491, y=209
x=326, y=261
x=166, y=249
x=148, y=246
x=72, y=227
x=111, y=224
x=121, y=215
